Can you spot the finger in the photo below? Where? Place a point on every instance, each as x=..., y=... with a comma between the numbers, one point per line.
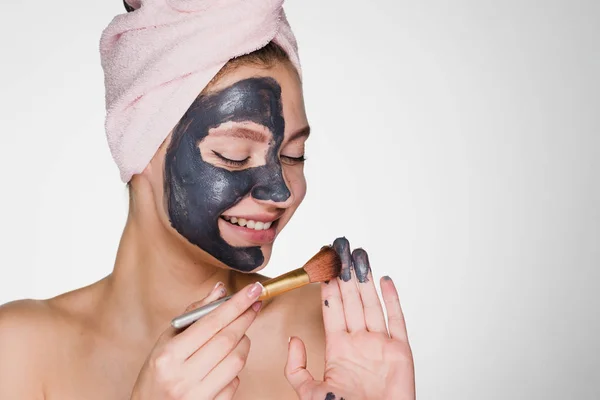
x=217, y=348
x=396, y=322
x=229, y=391
x=200, y=332
x=216, y=293
x=334, y=319
x=295, y=369
x=226, y=371
x=374, y=318
x=353, y=309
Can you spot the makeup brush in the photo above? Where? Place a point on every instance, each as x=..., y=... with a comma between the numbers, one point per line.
x=323, y=266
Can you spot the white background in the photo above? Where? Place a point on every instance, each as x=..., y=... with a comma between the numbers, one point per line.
x=458, y=142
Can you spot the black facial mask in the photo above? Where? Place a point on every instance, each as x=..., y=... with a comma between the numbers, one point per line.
x=197, y=192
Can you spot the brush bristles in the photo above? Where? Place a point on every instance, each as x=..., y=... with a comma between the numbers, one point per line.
x=324, y=266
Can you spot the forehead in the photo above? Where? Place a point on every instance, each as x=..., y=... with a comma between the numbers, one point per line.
x=255, y=99
x=292, y=101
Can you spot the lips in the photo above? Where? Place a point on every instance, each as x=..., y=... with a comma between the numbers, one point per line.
x=252, y=230
x=249, y=223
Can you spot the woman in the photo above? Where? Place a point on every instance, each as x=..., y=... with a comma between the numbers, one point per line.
x=205, y=209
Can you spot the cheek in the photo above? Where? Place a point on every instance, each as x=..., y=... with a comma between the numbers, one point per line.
x=297, y=183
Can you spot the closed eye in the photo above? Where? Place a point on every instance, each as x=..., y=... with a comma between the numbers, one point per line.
x=292, y=160
x=233, y=163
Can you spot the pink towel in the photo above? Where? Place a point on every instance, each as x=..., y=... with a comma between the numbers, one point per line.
x=158, y=58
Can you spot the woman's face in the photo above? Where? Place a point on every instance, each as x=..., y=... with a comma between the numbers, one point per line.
x=233, y=167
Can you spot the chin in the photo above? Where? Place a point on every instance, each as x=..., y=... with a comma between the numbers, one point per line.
x=266, y=250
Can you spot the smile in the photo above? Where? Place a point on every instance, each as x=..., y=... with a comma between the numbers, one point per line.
x=249, y=223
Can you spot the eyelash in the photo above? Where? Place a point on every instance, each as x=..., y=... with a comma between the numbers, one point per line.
x=294, y=160
x=233, y=163
x=241, y=163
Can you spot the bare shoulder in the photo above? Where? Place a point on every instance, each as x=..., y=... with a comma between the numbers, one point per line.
x=24, y=326
x=33, y=333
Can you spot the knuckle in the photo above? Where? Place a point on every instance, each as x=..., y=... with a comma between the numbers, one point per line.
x=175, y=390
x=162, y=363
x=238, y=361
x=229, y=339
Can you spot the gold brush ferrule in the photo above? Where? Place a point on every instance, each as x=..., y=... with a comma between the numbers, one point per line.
x=284, y=283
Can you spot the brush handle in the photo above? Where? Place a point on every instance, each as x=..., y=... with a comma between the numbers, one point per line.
x=185, y=320
x=271, y=288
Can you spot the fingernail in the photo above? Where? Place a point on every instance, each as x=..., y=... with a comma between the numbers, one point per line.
x=387, y=278
x=361, y=265
x=217, y=286
x=257, y=306
x=289, y=339
x=342, y=247
x=255, y=290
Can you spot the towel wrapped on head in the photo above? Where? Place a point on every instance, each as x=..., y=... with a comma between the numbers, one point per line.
x=158, y=58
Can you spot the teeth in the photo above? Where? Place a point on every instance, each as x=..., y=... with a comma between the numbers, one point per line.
x=256, y=225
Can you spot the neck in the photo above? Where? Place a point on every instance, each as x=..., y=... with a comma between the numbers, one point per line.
x=156, y=276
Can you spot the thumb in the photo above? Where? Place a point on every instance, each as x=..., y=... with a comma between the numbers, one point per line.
x=295, y=369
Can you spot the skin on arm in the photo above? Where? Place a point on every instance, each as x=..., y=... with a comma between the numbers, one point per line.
x=22, y=342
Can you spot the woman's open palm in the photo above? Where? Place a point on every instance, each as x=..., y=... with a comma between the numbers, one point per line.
x=363, y=359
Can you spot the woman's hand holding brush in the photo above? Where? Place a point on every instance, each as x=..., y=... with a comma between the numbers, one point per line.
x=364, y=359
x=203, y=361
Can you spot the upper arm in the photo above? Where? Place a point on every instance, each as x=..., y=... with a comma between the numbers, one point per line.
x=21, y=350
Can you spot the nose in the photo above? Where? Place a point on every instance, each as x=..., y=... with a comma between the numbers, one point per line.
x=273, y=189
x=277, y=195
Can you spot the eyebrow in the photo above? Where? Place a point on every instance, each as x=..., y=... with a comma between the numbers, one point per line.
x=242, y=133
x=302, y=133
